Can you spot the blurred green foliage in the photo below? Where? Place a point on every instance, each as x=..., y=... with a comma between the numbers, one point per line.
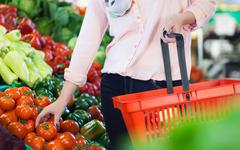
x=219, y=134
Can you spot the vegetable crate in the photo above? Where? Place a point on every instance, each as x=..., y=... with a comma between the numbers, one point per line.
x=149, y=116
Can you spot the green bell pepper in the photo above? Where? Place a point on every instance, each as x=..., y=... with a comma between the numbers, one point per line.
x=76, y=118
x=47, y=83
x=65, y=113
x=104, y=140
x=91, y=100
x=93, y=129
x=81, y=103
x=45, y=92
x=58, y=84
x=85, y=116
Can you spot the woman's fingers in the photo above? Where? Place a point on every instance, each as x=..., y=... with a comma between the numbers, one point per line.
x=56, y=120
x=43, y=116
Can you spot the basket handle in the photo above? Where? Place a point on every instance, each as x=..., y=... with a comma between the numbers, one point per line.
x=182, y=63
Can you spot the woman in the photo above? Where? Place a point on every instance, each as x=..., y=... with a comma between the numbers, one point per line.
x=134, y=59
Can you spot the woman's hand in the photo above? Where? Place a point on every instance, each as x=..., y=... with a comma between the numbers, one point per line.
x=57, y=108
x=176, y=23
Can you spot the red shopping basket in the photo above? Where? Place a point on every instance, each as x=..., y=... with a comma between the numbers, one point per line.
x=151, y=115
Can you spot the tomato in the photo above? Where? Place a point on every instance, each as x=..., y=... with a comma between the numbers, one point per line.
x=29, y=124
x=2, y=94
x=54, y=145
x=35, y=112
x=95, y=147
x=7, y=118
x=7, y=103
x=42, y=101
x=26, y=91
x=68, y=140
x=69, y=126
x=24, y=111
x=51, y=119
x=29, y=137
x=25, y=100
x=37, y=143
x=1, y=112
x=17, y=129
x=47, y=130
x=13, y=93
x=82, y=143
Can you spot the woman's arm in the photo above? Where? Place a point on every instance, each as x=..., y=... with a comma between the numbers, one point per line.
x=93, y=28
x=202, y=10
x=196, y=15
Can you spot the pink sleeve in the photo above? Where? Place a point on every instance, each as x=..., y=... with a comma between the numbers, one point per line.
x=93, y=28
x=202, y=10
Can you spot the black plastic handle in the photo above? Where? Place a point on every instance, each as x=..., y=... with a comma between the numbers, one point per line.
x=182, y=63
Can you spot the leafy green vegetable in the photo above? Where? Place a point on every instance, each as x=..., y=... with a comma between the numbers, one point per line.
x=30, y=7
x=61, y=16
x=44, y=25
x=64, y=35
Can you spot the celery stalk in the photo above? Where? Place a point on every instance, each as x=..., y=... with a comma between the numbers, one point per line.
x=15, y=62
x=7, y=75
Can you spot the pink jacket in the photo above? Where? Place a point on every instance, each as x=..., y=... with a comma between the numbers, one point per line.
x=135, y=50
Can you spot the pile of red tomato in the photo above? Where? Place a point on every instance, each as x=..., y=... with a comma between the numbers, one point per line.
x=19, y=109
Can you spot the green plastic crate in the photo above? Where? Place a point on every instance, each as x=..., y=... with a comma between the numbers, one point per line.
x=28, y=147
